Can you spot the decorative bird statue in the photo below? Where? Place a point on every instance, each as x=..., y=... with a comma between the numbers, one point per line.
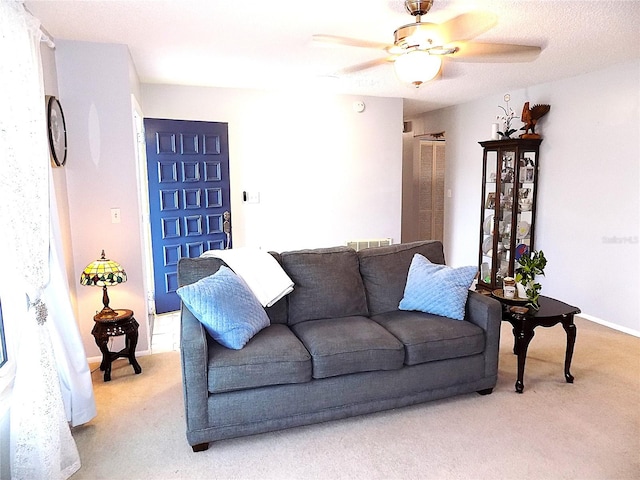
x=530, y=117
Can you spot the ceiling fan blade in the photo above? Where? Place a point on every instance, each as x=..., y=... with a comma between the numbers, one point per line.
x=466, y=26
x=350, y=42
x=474, y=52
x=363, y=66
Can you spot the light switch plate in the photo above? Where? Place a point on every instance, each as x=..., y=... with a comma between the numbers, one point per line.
x=253, y=197
x=115, y=215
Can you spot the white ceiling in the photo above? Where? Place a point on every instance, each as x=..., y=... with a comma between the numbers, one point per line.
x=268, y=44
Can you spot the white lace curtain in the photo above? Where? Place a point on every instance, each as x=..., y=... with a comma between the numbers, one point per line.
x=40, y=438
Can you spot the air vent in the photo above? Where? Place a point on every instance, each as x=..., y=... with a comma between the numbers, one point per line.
x=376, y=242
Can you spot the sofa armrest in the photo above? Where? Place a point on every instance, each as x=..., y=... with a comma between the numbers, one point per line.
x=194, y=355
x=486, y=312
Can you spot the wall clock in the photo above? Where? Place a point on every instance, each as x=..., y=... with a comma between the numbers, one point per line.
x=57, y=130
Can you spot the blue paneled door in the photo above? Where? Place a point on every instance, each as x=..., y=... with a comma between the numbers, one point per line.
x=190, y=211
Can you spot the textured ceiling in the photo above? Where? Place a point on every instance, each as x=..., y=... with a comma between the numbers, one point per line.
x=268, y=44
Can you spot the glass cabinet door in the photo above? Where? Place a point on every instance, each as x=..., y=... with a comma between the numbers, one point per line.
x=508, y=207
x=523, y=204
x=492, y=171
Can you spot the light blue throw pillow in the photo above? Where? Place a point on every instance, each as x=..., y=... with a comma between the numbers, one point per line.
x=226, y=306
x=437, y=289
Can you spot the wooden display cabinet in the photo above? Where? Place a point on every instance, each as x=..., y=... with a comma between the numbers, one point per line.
x=508, y=209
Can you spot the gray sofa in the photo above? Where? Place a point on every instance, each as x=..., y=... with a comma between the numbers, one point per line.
x=337, y=346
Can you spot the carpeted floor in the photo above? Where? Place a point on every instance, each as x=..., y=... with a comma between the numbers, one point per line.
x=586, y=430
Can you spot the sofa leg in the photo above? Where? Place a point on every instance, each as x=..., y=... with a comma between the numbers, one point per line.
x=201, y=447
x=486, y=391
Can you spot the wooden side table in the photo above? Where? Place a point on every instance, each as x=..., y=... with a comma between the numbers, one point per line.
x=122, y=324
x=525, y=320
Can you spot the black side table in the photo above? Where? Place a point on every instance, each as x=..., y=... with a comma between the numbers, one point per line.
x=123, y=324
x=524, y=320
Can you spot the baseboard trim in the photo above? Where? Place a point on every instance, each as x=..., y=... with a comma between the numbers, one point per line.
x=615, y=326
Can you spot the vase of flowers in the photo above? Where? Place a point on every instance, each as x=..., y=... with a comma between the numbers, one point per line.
x=530, y=264
x=506, y=119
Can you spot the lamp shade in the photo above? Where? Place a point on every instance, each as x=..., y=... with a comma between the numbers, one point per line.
x=103, y=273
x=417, y=66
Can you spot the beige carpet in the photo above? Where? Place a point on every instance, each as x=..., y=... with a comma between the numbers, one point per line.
x=555, y=430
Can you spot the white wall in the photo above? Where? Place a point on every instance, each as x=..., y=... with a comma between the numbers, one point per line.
x=325, y=173
x=95, y=83
x=589, y=198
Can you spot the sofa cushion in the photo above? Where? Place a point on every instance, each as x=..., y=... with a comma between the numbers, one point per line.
x=226, y=307
x=427, y=337
x=384, y=271
x=437, y=289
x=274, y=356
x=327, y=284
x=339, y=346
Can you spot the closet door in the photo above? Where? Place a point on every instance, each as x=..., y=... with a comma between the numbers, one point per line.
x=431, y=190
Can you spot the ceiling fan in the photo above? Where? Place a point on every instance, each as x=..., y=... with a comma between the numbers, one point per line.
x=419, y=47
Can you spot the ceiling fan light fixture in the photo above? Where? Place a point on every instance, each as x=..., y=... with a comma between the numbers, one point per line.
x=418, y=35
x=419, y=39
x=417, y=67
